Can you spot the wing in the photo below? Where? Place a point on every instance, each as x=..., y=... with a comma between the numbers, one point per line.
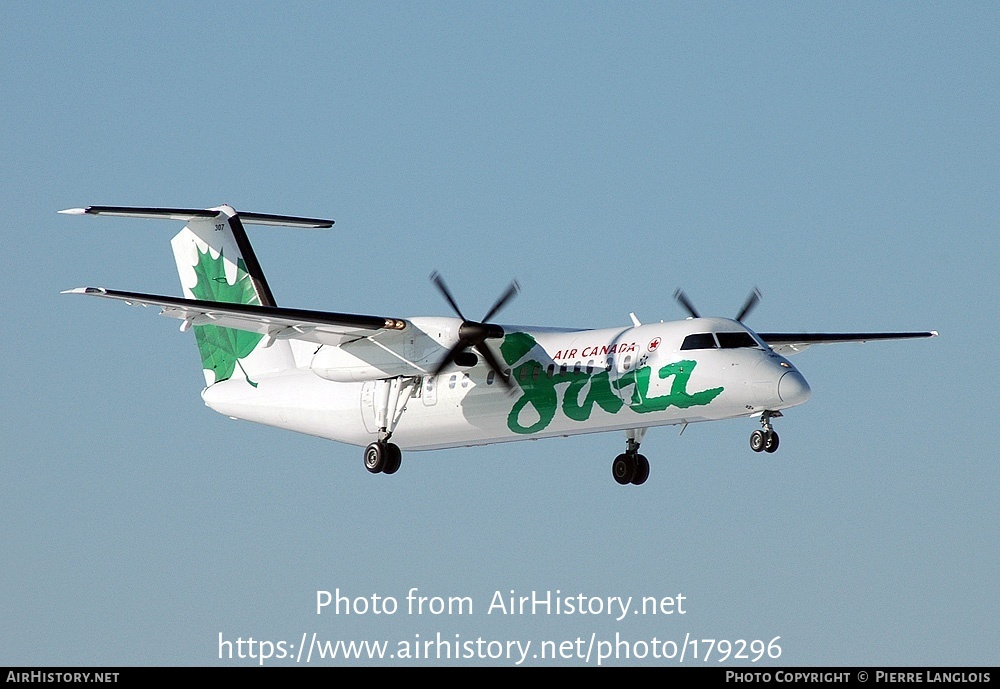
x=321, y=327
x=792, y=343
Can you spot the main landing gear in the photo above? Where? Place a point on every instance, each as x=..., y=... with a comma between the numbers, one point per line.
x=391, y=396
x=630, y=466
x=765, y=439
x=383, y=457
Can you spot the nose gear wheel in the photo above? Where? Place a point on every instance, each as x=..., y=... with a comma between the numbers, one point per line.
x=766, y=438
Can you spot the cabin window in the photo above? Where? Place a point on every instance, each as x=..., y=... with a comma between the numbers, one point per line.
x=562, y=370
x=590, y=367
x=628, y=362
x=699, y=341
x=490, y=377
x=735, y=340
x=611, y=363
x=451, y=382
x=577, y=367
x=524, y=373
x=465, y=380
x=550, y=370
x=536, y=371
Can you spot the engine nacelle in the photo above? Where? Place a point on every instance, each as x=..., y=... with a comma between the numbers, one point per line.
x=340, y=365
x=421, y=348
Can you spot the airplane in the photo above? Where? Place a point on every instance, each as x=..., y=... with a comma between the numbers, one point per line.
x=426, y=383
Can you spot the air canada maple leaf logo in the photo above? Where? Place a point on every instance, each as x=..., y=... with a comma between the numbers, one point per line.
x=222, y=348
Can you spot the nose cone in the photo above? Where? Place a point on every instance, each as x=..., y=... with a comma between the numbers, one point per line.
x=793, y=388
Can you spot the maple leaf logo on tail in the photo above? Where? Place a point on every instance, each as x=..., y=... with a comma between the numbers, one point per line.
x=222, y=348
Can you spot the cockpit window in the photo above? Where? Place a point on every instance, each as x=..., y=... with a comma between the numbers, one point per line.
x=736, y=340
x=699, y=341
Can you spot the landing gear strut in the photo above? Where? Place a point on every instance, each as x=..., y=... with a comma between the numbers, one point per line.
x=391, y=396
x=630, y=466
x=765, y=439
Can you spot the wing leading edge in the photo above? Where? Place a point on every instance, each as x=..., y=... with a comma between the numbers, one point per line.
x=792, y=343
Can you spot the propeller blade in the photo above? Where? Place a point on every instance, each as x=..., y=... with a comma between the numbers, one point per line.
x=439, y=281
x=751, y=302
x=511, y=292
x=682, y=298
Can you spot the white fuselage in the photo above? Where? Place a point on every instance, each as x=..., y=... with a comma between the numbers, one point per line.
x=564, y=383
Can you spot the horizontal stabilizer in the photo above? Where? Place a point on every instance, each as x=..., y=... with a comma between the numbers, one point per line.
x=188, y=214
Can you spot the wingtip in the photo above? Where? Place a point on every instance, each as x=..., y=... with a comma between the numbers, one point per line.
x=85, y=290
x=73, y=211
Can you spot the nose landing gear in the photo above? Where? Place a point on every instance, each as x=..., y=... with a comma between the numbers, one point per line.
x=765, y=439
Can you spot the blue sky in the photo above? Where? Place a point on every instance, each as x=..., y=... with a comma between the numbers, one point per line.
x=840, y=156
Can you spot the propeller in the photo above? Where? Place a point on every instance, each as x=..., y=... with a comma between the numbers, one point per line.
x=748, y=305
x=473, y=334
